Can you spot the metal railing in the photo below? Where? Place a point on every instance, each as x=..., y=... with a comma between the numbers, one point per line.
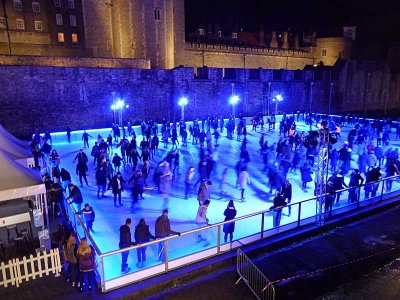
x=177, y=256
x=257, y=282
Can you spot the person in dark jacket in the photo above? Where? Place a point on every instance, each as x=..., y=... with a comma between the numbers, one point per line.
x=355, y=181
x=163, y=229
x=65, y=178
x=116, y=161
x=85, y=138
x=391, y=170
x=76, y=196
x=305, y=176
x=339, y=183
x=81, y=167
x=279, y=203
x=286, y=192
x=372, y=176
x=88, y=215
x=101, y=180
x=142, y=235
x=117, y=188
x=230, y=214
x=125, y=241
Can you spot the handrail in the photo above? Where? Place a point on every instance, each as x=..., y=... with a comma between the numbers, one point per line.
x=368, y=183
x=227, y=222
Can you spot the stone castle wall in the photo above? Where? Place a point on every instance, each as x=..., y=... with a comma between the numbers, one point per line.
x=85, y=62
x=51, y=98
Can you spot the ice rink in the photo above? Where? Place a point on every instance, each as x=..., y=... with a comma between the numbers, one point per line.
x=182, y=212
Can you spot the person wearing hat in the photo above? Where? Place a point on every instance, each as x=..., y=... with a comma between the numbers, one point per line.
x=229, y=228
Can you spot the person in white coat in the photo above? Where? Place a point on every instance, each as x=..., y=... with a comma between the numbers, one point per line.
x=243, y=181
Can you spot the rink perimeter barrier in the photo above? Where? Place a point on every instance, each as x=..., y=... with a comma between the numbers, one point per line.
x=174, y=261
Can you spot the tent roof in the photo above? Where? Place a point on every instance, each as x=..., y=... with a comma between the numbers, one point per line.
x=17, y=181
x=13, y=149
x=4, y=133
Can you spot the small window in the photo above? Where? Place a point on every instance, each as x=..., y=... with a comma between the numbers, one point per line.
x=59, y=19
x=71, y=4
x=323, y=52
x=219, y=33
x=35, y=6
x=72, y=20
x=157, y=14
x=234, y=35
x=38, y=25
x=3, y=22
x=201, y=31
x=57, y=3
x=74, y=38
x=17, y=4
x=60, y=37
x=20, y=24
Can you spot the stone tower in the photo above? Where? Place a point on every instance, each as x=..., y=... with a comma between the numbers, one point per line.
x=151, y=29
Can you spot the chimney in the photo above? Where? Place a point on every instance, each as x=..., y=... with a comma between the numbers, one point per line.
x=285, y=40
x=274, y=42
x=296, y=41
x=262, y=35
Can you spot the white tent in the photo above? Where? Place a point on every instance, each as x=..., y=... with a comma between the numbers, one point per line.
x=18, y=182
x=15, y=149
x=4, y=133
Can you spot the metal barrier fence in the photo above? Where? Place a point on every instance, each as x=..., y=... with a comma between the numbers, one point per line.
x=261, y=287
x=183, y=250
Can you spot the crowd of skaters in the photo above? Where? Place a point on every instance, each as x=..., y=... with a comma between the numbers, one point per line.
x=293, y=152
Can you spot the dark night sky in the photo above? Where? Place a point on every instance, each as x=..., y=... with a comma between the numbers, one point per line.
x=375, y=20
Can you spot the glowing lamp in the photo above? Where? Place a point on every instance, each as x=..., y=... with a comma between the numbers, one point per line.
x=234, y=99
x=183, y=101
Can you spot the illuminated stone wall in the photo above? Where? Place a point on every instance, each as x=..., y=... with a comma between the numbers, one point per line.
x=229, y=57
x=16, y=60
x=51, y=98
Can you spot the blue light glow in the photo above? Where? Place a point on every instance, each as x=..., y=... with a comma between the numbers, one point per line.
x=183, y=101
x=234, y=99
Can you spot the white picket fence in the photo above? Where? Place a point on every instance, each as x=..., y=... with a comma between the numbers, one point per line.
x=16, y=270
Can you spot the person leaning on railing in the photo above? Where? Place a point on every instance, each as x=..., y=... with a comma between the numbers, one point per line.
x=163, y=229
x=279, y=203
x=142, y=235
x=372, y=176
x=391, y=170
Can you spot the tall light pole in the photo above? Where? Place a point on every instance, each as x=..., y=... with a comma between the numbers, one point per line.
x=277, y=99
x=113, y=105
x=366, y=94
x=119, y=105
x=330, y=98
x=311, y=94
x=233, y=101
x=269, y=96
x=182, y=103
